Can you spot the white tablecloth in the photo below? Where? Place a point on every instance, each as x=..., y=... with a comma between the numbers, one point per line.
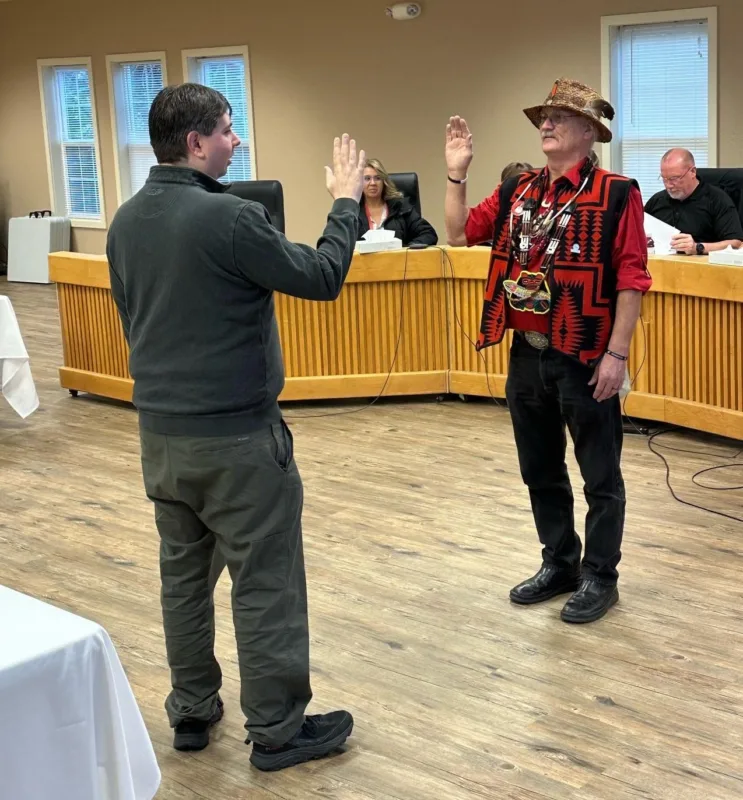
x=16, y=382
x=70, y=728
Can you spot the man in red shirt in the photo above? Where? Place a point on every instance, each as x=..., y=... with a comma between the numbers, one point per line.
x=568, y=268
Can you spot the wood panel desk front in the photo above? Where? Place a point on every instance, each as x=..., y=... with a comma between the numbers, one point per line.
x=405, y=322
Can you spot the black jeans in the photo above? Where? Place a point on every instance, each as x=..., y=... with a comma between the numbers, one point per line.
x=546, y=392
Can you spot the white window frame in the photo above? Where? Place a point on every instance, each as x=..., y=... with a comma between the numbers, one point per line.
x=190, y=56
x=116, y=124
x=54, y=167
x=608, y=26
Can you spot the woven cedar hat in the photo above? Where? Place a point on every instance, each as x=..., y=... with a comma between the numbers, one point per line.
x=580, y=99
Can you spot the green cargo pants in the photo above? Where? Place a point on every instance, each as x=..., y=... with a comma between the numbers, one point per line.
x=234, y=500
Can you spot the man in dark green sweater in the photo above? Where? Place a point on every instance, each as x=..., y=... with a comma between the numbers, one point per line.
x=193, y=272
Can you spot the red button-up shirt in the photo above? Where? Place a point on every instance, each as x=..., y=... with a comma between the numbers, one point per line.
x=629, y=256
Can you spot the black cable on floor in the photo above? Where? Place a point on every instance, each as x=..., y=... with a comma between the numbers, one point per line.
x=651, y=440
x=650, y=437
x=655, y=447
x=696, y=475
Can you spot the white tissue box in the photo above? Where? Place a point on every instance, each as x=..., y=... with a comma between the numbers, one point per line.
x=733, y=258
x=364, y=246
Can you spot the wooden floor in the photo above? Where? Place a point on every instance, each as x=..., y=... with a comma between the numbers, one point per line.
x=416, y=526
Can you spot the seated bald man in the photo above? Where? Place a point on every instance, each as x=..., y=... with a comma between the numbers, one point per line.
x=704, y=214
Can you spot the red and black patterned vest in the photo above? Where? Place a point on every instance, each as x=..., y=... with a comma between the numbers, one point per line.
x=582, y=281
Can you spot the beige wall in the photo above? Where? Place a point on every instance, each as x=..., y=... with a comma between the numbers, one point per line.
x=322, y=67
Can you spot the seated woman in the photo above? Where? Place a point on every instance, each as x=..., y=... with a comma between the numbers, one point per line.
x=383, y=206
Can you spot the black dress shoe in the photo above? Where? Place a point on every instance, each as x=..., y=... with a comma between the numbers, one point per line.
x=547, y=583
x=590, y=602
x=318, y=737
x=193, y=734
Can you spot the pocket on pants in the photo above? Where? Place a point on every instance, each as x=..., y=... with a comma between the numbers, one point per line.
x=283, y=445
x=267, y=566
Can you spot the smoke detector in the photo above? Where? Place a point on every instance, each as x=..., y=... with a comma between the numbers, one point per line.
x=403, y=11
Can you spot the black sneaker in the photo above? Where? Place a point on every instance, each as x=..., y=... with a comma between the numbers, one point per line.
x=193, y=734
x=319, y=735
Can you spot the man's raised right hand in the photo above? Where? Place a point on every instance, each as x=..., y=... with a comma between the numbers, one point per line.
x=346, y=178
x=458, y=147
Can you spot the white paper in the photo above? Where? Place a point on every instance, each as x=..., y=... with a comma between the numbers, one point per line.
x=626, y=384
x=661, y=233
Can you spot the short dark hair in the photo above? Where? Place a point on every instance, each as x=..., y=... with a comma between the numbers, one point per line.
x=515, y=168
x=178, y=110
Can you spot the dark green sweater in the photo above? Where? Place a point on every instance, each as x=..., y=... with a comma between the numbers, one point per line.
x=193, y=271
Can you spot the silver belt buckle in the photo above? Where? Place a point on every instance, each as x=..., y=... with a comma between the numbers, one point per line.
x=537, y=340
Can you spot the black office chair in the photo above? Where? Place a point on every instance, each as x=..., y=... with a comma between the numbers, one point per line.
x=407, y=183
x=270, y=194
x=729, y=179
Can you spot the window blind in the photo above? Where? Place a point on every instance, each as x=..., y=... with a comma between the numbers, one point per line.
x=77, y=141
x=138, y=84
x=660, y=86
x=226, y=74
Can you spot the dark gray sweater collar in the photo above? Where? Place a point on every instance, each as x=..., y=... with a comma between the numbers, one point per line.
x=184, y=175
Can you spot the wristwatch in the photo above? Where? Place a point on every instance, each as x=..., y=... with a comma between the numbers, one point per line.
x=700, y=249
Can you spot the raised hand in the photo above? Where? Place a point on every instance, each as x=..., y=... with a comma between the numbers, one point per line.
x=346, y=178
x=458, y=147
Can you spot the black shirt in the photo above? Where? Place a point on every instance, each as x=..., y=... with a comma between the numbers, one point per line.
x=707, y=214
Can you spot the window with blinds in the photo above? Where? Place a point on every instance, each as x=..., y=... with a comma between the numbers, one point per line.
x=227, y=72
x=70, y=127
x=133, y=86
x=660, y=78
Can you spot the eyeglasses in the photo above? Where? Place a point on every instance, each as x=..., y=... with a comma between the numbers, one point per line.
x=555, y=117
x=372, y=179
x=675, y=178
